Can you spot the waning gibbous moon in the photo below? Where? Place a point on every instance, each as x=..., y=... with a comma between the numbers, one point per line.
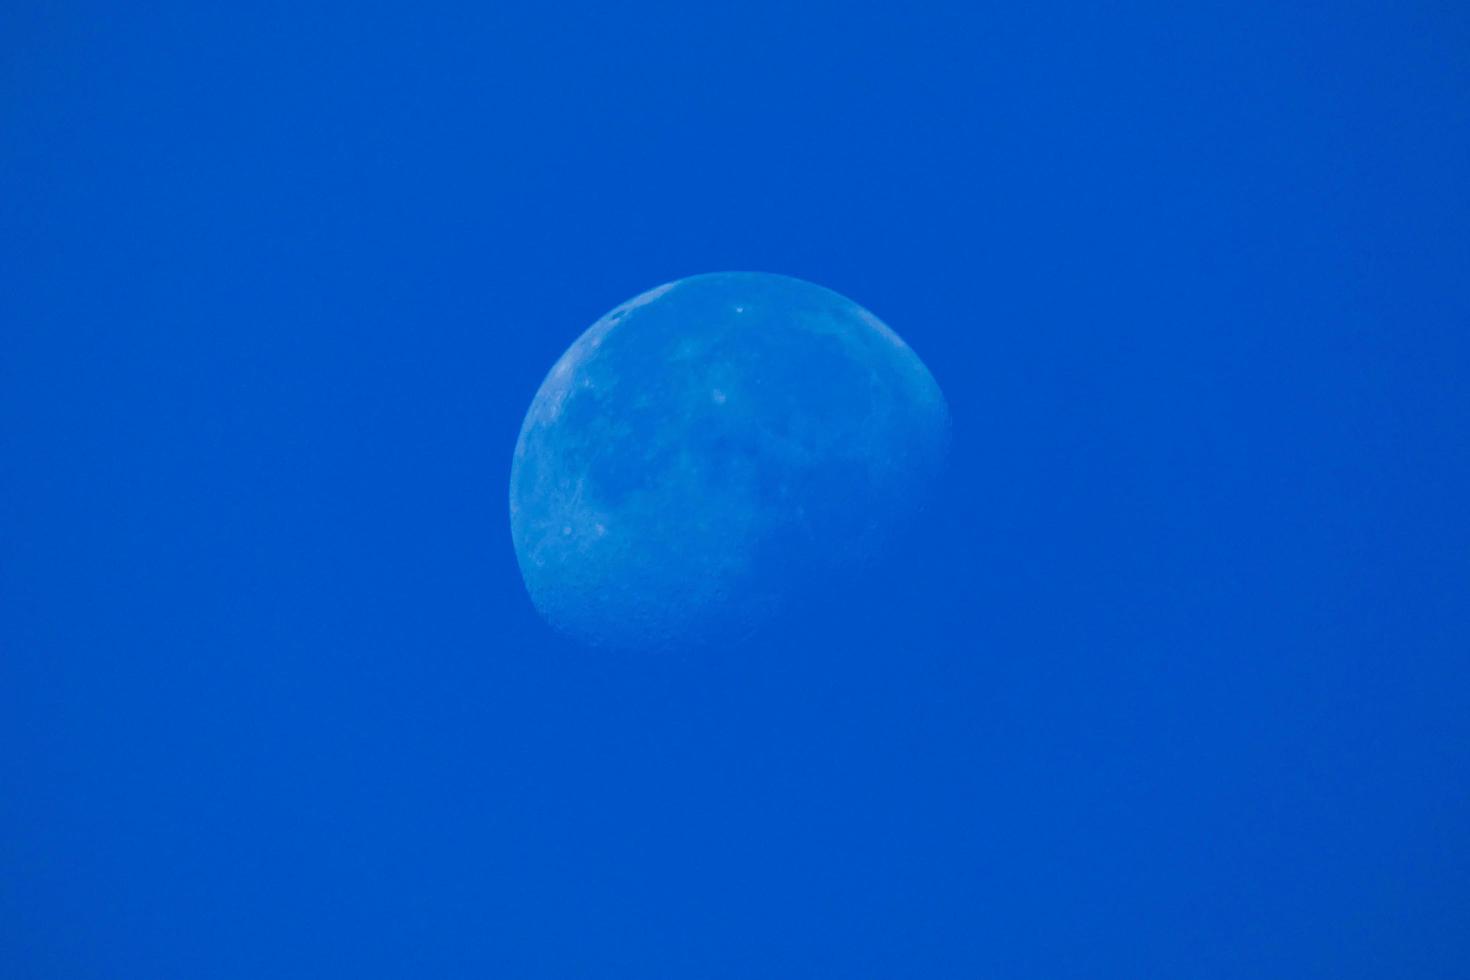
x=709, y=450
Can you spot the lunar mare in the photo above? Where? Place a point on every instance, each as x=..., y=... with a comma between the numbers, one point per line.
x=712, y=449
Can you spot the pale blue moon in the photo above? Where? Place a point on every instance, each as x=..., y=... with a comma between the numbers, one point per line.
x=709, y=451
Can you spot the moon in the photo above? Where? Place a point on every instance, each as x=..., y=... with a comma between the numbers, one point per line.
x=711, y=450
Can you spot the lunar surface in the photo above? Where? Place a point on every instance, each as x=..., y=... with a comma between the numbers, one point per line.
x=710, y=451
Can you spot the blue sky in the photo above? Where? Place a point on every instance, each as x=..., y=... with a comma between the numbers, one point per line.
x=1174, y=682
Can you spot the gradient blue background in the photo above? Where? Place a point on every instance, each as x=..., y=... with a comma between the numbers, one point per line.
x=1175, y=683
